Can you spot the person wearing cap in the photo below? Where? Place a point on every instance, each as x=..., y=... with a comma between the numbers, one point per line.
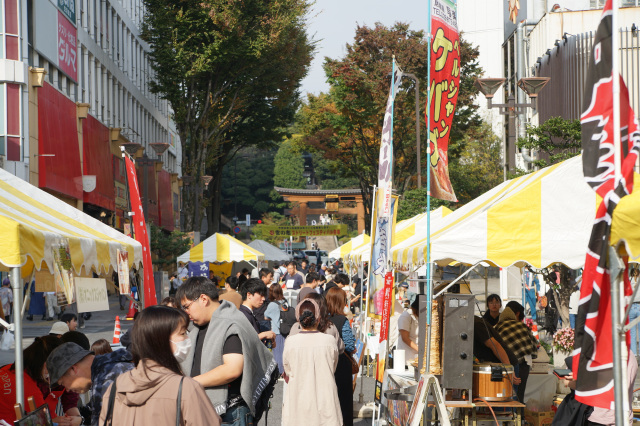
x=79, y=370
x=58, y=329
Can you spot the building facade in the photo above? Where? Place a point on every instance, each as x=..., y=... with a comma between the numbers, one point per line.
x=74, y=88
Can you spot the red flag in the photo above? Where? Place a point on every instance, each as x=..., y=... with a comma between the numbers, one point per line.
x=140, y=229
x=445, y=86
x=592, y=355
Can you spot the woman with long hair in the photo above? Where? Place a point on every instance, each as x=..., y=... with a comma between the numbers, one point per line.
x=156, y=392
x=36, y=384
x=310, y=359
x=337, y=306
x=277, y=304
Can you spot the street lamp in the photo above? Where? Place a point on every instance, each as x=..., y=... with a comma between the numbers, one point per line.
x=530, y=85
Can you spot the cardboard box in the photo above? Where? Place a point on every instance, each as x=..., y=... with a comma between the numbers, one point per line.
x=538, y=418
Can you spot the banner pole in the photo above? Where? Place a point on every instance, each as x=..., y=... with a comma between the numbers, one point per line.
x=428, y=260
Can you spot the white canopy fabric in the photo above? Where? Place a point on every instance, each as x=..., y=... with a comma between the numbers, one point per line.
x=32, y=221
x=346, y=248
x=221, y=248
x=540, y=219
x=271, y=252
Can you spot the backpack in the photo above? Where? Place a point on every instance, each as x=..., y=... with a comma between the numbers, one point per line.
x=287, y=318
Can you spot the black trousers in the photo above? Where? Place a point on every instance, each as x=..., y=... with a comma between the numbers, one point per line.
x=524, y=376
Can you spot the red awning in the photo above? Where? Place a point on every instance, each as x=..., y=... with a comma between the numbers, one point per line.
x=96, y=154
x=59, y=161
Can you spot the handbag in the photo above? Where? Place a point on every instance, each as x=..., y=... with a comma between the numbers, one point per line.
x=112, y=398
x=355, y=367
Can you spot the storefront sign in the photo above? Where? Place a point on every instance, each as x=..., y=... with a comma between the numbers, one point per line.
x=68, y=8
x=91, y=295
x=67, y=47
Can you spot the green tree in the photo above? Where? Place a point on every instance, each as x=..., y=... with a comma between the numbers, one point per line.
x=230, y=71
x=289, y=167
x=167, y=246
x=345, y=124
x=555, y=140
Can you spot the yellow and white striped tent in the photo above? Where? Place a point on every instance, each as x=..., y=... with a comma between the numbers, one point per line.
x=221, y=248
x=33, y=221
x=346, y=248
x=541, y=218
x=407, y=229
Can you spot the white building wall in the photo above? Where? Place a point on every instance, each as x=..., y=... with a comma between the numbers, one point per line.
x=481, y=23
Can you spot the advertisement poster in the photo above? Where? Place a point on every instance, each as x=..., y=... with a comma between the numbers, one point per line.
x=198, y=269
x=91, y=294
x=63, y=274
x=380, y=251
x=445, y=83
x=123, y=272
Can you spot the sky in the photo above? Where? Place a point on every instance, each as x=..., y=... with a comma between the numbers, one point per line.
x=333, y=23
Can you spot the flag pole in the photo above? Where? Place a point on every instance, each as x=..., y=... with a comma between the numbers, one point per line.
x=620, y=353
x=428, y=120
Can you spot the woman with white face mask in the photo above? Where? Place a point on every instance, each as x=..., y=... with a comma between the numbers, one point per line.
x=156, y=392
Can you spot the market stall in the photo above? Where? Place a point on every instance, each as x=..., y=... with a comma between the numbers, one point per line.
x=343, y=250
x=32, y=222
x=271, y=252
x=221, y=248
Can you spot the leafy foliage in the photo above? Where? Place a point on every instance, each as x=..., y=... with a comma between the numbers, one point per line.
x=345, y=124
x=556, y=140
x=231, y=71
x=167, y=246
x=289, y=167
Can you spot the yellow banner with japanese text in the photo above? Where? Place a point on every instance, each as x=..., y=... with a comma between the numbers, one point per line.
x=304, y=231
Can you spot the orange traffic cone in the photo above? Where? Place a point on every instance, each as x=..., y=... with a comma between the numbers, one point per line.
x=116, y=331
x=132, y=310
x=534, y=330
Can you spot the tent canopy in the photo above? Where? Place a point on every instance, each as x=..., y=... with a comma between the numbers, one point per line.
x=271, y=252
x=540, y=219
x=342, y=251
x=221, y=248
x=32, y=221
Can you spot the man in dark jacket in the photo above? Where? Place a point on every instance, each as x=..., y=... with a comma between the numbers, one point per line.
x=79, y=370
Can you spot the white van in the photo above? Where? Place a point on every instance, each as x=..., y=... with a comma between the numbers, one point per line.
x=312, y=256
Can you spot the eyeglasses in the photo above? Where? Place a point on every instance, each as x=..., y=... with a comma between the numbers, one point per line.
x=188, y=305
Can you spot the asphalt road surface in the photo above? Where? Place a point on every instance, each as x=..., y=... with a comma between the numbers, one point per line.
x=101, y=326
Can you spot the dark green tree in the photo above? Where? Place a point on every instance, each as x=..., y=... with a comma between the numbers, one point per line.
x=289, y=167
x=167, y=246
x=555, y=140
x=231, y=71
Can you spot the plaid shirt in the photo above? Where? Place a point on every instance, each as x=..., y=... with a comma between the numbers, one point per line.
x=517, y=337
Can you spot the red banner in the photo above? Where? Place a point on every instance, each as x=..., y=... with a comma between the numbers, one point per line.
x=140, y=229
x=386, y=306
x=444, y=84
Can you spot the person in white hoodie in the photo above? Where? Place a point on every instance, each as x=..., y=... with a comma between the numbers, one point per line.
x=156, y=392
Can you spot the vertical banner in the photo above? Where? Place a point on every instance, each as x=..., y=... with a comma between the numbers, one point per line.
x=67, y=47
x=140, y=229
x=445, y=84
x=123, y=272
x=385, y=162
x=592, y=355
x=380, y=251
x=63, y=274
x=387, y=292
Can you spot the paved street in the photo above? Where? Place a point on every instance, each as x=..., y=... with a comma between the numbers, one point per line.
x=101, y=326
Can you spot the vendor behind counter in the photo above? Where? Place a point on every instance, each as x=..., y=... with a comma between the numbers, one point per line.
x=488, y=346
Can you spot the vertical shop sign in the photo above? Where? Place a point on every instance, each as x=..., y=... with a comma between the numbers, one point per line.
x=67, y=47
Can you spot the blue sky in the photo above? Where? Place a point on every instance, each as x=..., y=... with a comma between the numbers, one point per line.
x=333, y=24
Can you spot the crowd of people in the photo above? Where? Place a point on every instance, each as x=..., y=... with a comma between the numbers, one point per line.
x=205, y=355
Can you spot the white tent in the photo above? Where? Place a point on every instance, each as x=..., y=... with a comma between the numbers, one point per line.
x=31, y=223
x=221, y=248
x=271, y=252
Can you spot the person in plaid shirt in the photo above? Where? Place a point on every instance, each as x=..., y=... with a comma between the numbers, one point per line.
x=519, y=339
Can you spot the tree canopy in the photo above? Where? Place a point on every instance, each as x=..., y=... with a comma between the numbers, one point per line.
x=231, y=71
x=555, y=140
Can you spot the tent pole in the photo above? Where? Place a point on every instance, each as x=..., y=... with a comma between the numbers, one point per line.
x=15, y=278
x=620, y=352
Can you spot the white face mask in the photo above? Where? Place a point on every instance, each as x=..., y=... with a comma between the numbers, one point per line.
x=182, y=349
x=346, y=310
